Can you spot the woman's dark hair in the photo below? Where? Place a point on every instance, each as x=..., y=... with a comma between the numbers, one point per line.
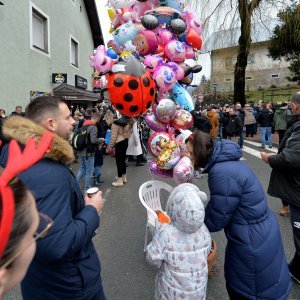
x=202, y=148
x=22, y=221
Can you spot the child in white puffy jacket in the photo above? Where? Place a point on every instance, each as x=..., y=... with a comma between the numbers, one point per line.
x=180, y=249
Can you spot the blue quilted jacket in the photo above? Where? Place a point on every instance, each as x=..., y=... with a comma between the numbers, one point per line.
x=255, y=263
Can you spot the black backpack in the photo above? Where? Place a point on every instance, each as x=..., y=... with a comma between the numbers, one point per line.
x=79, y=139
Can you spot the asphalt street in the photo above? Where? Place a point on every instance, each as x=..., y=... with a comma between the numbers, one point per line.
x=120, y=238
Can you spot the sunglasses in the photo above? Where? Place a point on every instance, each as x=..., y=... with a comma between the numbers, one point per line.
x=45, y=225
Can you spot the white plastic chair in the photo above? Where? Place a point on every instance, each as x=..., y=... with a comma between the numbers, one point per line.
x=149, y=194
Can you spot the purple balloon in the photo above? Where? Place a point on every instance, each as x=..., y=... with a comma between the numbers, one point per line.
x=183, y=171
x=154, y=124
x=160, y=172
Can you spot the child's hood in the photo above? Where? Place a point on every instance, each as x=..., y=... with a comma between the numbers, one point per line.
x=185, y=207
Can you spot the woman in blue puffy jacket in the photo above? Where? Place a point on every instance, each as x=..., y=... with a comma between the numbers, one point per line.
x=255, y=263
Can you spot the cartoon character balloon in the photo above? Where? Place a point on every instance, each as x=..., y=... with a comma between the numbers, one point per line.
x=175, y=51
x=100, y=61
x=183, y=171
x=145, y=42
x=131, y=88
x=182, y=97
x=165, y=111
x=169, y=155
x=125, y=33
x=183, y=119
x=157, y=142
x=121, y=3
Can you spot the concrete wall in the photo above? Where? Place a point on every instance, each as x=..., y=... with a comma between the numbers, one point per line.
x=22, y=69
x=260, y=69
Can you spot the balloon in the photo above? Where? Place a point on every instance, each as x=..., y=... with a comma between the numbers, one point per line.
x=100, y=61
x=165, y=111
x=189, y=51
x=154, y=124
x=131, y=88
x=182, y=97
x=160, y=172
x=169, y=155
x=165, y=78
x=183, y=171
x=165, y=36
x=183, y=120
x=175, y=51
x=180, y=139
x=194, y=39
x=112, y=53
x=177, y=26
x=121, y=3
x=149, y=22
x=165, y=14
x=145, y=42
x=176, y=4
x=124, y=33
x=193, y=21
x=157, y=141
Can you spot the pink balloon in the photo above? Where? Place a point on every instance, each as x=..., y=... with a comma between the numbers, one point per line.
x=154, y=124
x=182, y=145
x=169, y=156
x=175, y=51
x=165, y=78
x=165, y=110
x=183, y=119
x=157, y=141
x=183, y=171
x=160, y=172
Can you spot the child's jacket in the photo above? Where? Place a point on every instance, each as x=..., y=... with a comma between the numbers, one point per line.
x=180, y=249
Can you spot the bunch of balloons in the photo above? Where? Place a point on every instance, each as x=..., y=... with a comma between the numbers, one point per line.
x=153, y=53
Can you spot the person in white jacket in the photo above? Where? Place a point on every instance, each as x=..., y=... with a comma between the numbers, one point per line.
x=180, y=248
x=134, y=144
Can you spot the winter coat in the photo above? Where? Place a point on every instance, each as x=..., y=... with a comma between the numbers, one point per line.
x=285, y=176
x=265, y=118
x=241, y=115
x=66, y=265
x=134, y=143
x=93, y=142
x=214, y=123
x=180, y=249
x=120, y=131
x=281, y=118
x=249, y=116
x=232, y=124
x=255, y=263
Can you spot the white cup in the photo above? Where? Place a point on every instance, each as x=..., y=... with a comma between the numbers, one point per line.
x=90, y=192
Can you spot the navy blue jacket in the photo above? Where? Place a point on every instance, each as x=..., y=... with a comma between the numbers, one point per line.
x=66, y=265
x=255, y=263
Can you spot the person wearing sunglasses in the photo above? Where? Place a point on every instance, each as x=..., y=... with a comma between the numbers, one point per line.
x=20, y=223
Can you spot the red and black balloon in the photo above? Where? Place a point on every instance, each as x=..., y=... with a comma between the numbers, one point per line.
x=131, y=88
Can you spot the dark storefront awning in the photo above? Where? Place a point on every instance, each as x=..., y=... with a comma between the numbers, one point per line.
x=72, y=93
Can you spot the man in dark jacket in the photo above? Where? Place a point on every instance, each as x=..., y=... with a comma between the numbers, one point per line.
x=233, y=124
x=87, y=155
x=241, y=114
x=66, y=265
x=265, y=119
x=285, y=178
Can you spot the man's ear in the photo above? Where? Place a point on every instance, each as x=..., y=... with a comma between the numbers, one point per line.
x=49, y=124
x=3, y=281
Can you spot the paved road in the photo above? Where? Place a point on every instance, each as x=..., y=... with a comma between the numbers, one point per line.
x=119, y=241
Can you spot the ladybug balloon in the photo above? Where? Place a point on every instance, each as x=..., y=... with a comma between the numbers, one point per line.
x=131, y=88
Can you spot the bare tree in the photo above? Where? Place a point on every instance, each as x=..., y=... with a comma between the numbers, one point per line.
x=224, y=14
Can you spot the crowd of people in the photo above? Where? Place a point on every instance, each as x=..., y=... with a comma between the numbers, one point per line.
x=46, y=198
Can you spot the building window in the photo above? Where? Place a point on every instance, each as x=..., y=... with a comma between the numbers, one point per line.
x=39, y=33
x=249, y=78
x=274, y=76
x=227, y=79
x=250, y=59
x=228, y=62
x=74, y=52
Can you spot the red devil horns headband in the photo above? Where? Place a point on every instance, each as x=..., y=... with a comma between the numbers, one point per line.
x=16, y=163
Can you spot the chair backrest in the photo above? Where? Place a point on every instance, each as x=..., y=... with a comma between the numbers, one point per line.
x=149, y=194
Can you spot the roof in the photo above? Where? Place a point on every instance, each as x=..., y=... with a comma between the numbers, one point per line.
x=70, y=92
x=260, y=32
x=91, y=9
